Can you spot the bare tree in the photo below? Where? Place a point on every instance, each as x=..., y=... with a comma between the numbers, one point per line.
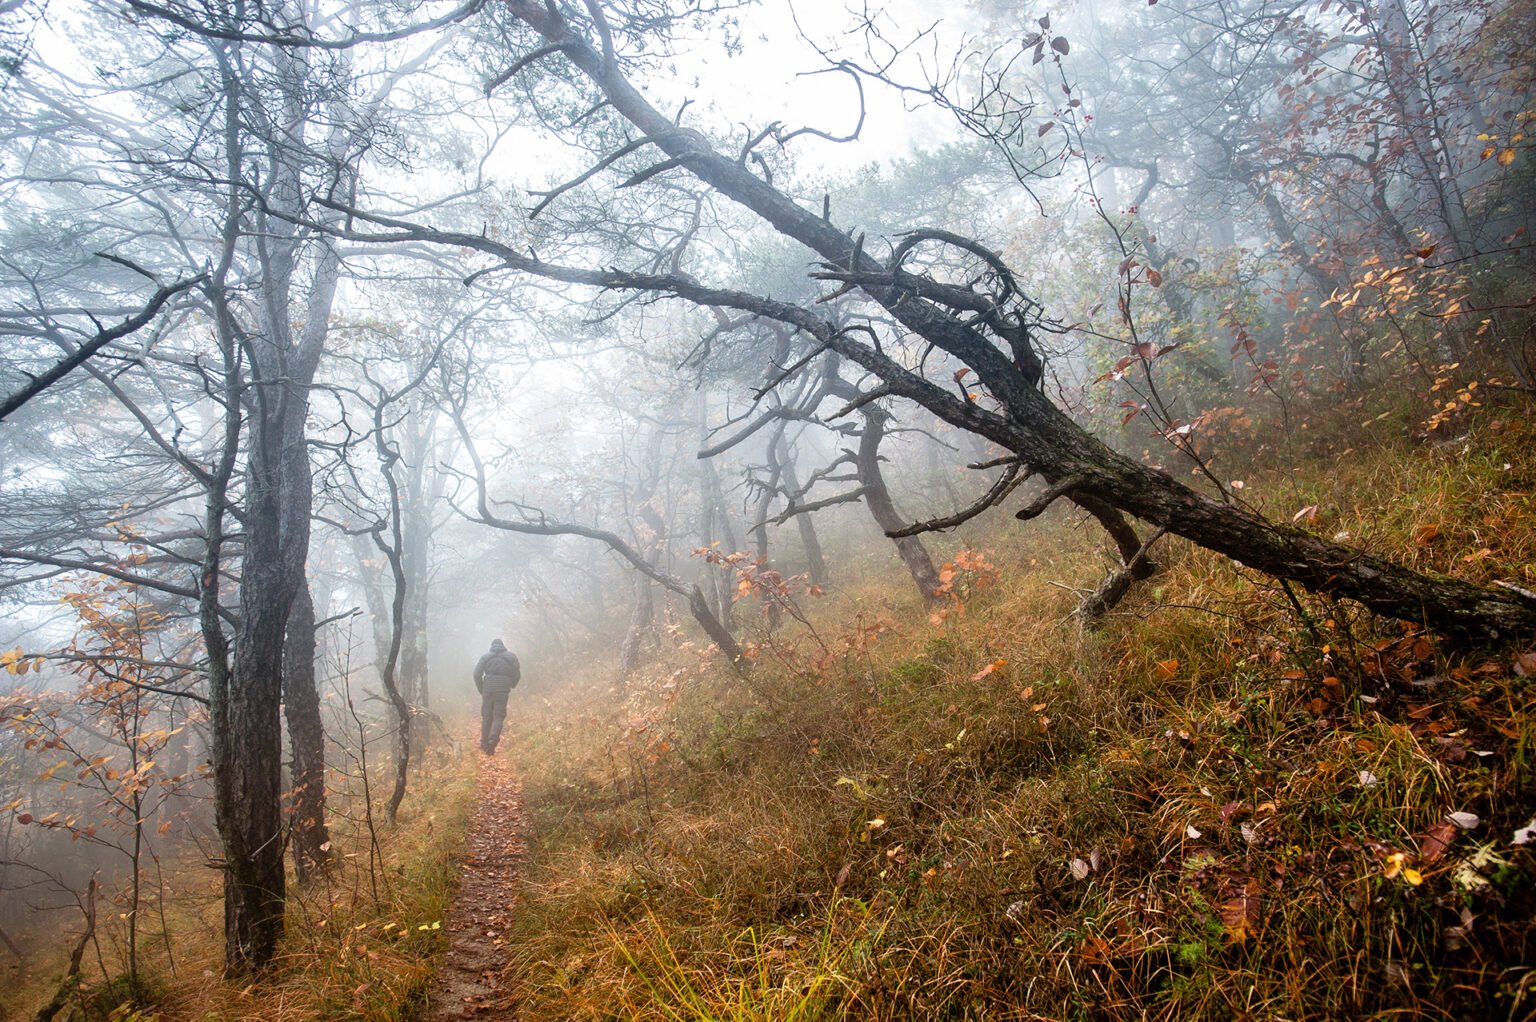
x=989, y=335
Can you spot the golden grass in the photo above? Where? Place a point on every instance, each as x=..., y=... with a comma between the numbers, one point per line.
x=1202, y=810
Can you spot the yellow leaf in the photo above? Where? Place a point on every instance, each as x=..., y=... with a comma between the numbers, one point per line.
x=1506, y=157
x=1413, y=876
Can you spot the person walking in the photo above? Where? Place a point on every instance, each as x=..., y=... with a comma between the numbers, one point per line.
x=496, y=675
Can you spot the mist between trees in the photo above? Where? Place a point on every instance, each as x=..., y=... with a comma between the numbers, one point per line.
x=341, y=339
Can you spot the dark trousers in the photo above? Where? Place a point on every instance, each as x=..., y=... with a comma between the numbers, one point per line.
x=493, y=713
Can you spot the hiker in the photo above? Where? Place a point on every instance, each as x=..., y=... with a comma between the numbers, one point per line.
x=496, y=675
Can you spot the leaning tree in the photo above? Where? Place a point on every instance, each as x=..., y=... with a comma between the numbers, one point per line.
x=987, y=324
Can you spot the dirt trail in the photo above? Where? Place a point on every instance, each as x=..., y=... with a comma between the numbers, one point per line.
x=467, y=983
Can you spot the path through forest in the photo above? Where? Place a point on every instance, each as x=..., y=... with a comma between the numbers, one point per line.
x=468, y=984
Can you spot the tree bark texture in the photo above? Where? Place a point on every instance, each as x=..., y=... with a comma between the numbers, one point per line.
x=306, y=741
x=877, y=497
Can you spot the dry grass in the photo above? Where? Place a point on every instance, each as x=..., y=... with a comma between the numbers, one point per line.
x=1207, y=809
x=346, y=954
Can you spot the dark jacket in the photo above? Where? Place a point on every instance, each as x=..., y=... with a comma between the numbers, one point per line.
x=497, y=671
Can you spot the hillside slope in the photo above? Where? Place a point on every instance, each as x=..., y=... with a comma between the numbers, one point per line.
x=1230, y=800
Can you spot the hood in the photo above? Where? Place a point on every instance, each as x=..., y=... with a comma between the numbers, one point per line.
x=497, y=646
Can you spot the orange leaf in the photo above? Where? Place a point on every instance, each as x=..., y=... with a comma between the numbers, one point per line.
x=1166, y=669
x=1423, y=535
x=1506, y=157
x=995, y=665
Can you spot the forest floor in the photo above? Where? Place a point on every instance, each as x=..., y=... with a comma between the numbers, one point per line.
x=468, y=979
x=1225, y=801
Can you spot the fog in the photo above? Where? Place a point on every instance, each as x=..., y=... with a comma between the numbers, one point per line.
x=504, y=320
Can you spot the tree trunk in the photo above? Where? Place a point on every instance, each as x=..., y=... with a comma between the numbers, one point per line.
x=768, y=490
x=716, y=579
x=815, y=561
x=878, y=499
x=641, y=616
x=306, y=741
x=247, y=732
x=247, y=754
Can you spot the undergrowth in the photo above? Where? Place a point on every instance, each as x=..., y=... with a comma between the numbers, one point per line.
x=1228, y=801
x=361, y=940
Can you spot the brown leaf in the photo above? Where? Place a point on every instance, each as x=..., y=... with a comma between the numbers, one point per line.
x=1154, y=278
x=1045, y=129
x=1434, y=841
x=1060, y=45
x=1424, y=534
x=1240, y=913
